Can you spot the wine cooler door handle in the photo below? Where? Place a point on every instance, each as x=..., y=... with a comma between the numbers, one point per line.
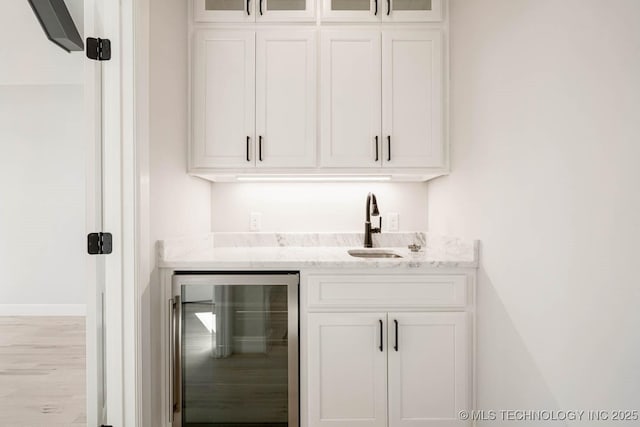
x=176, y=355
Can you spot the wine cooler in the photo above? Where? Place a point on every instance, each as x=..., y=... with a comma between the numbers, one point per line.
x=234, y=350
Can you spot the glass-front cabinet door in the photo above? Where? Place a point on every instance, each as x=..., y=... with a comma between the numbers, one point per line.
x=382, y=10
x=235, y=359
x=254, y=10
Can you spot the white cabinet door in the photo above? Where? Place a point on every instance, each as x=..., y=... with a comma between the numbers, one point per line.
x=412, y=10
x=286, y=98
x=428, y=369
x=350, y=97
x=223, y=96
x=224, y=10
x=412, y=118
x=285, y=10
x=347, y=370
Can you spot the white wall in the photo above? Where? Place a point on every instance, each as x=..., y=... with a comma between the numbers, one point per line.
x=42, y=200
x=545, y=151
x=315, y=206
x=42, y=168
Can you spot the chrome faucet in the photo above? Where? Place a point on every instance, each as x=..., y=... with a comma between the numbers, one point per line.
x=371, y=198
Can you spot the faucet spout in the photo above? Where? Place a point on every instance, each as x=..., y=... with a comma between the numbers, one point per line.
x=372, y=203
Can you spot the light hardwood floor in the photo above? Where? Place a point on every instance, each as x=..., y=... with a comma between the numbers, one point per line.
x=42, y=372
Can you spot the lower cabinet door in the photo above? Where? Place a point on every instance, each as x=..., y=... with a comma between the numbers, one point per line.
x=347, y=384
x=428, y=369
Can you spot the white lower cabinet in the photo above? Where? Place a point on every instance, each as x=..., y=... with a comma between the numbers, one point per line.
x=347, y=370
x=387, y=350
x=388, y=369
x=428, y=369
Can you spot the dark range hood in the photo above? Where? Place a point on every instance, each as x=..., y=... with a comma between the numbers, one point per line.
x=57, y=24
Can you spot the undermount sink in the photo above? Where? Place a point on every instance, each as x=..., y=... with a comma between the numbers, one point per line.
x=373, y=253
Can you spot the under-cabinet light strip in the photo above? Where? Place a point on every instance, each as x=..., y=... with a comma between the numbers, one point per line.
x=324, y=178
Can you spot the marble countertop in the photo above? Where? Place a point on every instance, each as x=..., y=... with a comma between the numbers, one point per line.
x=297, y=251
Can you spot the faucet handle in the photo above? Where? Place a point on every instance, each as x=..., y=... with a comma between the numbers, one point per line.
x=414, y=247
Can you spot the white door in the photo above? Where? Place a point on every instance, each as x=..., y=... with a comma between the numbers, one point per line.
x=429, y=376
x=104, y=338
x=352, y=10
x=347, y=370
x=350, y=98
x=223, y=97
x=224, y=10
x=412, y=10
x=412, y=100
x=286, y=10
x=286, y=98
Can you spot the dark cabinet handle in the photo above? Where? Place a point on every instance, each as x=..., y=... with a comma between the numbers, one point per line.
x=260, y=148
x=395, y=347
x=248, y=12
x=377, y=150
x=248, y=159
x=381, y=336
x=260, y=6
x=376, y=10
x=388, y=148
x=388, y=7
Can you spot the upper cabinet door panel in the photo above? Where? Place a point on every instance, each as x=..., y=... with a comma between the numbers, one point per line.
x=286, y=98
x=412, y=112
x=412, y=10
x=350, y=98
x=428, y=369
x=224, y=10
x=352, y=10
x=285, y=10
x=223, y=96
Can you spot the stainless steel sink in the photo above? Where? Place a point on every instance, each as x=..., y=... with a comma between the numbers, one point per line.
x=373, y=253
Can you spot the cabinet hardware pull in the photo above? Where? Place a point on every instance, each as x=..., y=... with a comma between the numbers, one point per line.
x=381, y=336
x=388, y=7
x=388, y=148
x=260, y=6
x=248, y=12
x=376, y=10
x=260, y=148
x=377, y=157
x=395, y=347
x=248, y=158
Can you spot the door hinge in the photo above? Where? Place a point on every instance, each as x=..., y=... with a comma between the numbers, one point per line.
x=98, y=49
x=99, y=243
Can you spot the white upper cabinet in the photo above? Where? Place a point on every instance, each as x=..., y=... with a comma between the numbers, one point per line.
x=428, y=369
x=382, y=10
x=350, y=98
x=286, y=98
x=254, y=103
x=223, y=97
x=412, y=101
x=254, y=10
x=382, y=106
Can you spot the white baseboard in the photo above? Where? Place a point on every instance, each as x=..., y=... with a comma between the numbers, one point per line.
x=43, y=310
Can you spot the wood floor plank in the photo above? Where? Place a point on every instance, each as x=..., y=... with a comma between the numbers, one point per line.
x=42, y=372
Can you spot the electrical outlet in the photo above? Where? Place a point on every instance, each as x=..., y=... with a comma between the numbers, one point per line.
x=256, y=221
x=392, y=219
